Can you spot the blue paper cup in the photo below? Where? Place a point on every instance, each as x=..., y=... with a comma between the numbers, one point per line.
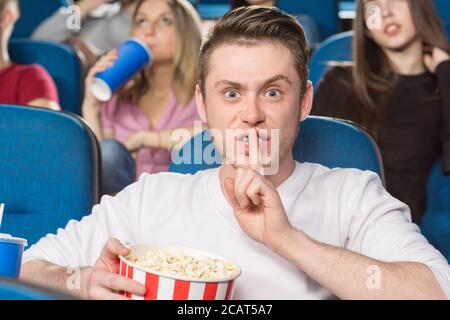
x=133, y=56
x=11, y=250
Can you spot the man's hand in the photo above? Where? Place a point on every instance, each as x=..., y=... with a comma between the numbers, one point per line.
x=258, y=208
x=103, y=280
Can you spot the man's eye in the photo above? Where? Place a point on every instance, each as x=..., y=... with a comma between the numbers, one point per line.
x=272, y=93
x=231, y=94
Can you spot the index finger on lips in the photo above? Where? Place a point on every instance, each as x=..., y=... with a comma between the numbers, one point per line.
x=241, y=188
x=254, y=160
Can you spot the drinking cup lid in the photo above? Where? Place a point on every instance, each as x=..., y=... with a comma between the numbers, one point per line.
x=10, y=239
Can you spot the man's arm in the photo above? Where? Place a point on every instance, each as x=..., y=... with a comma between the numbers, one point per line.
x=56, y=260
x=350, y=275
x=99, y=282
x=46, y=274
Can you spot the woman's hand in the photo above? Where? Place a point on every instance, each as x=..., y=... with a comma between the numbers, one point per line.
x=433, y=59
x=142, y=139
x=106, y=61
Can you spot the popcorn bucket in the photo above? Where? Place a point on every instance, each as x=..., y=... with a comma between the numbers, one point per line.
x=162, y=285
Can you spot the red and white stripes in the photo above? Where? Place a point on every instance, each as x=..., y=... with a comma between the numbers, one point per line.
x=162, y=288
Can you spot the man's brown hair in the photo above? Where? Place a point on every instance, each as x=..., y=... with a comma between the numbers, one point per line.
x=249, y=26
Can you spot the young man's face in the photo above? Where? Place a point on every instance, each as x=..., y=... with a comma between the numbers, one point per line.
x=254, y=87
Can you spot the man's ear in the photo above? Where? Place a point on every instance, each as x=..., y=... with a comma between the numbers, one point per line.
x=201, y=107
x=307, y=101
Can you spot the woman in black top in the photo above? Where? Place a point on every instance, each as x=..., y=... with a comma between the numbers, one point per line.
x=399, y=89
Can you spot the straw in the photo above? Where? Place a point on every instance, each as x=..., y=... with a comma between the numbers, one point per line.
x=2, y=207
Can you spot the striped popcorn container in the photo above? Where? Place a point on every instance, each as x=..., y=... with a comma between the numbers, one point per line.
x=163, y=287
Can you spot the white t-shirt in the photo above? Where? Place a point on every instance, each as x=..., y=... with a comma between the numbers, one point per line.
x=342, y=207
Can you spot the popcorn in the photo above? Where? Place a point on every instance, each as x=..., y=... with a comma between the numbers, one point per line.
x=178, y=264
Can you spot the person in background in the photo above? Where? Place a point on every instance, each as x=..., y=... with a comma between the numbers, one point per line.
x=22, y=84
x=139, y=120
x=399, y=90
x=104, y=26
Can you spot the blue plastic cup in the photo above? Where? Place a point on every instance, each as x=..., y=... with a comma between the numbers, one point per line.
x=11, y=251
x=133, y=56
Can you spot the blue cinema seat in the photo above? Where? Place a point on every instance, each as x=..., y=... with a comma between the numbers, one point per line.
x=60, y=61
x=33, y=12
x=16, y=290
x=337, y=48
x=324, y=12
x=49, y=170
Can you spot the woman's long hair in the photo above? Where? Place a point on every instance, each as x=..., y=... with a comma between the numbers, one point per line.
x=373, y=74
x=188, y=41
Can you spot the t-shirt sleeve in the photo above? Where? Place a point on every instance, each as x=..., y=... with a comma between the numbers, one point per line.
x=380, y=227
x=80, y=243
x=36, y=83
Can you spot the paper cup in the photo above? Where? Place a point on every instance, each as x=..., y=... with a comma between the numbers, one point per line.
x=2, y=208
x=11, y=250
x=164, y=287
x=133, y=56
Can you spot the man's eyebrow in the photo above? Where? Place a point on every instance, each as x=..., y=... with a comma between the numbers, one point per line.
x=240, y=85
x=229, y=83
x=276, y=78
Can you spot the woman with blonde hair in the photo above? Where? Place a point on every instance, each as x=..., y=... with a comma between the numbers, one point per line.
x=140, y=119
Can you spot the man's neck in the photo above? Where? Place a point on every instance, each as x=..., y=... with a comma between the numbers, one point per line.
x=408, y=61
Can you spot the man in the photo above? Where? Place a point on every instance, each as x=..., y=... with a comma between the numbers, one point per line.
x=305, y=232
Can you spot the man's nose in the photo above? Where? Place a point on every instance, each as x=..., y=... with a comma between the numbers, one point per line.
x=252, y=114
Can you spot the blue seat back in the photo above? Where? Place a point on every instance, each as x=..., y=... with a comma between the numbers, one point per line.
x=330, y=142
x=60, y=61
x=443, y=9
x=15, y=290
x=436, y=219
x=33, y=12
x=336, y=48
x=324, y=12
x=49, y=170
